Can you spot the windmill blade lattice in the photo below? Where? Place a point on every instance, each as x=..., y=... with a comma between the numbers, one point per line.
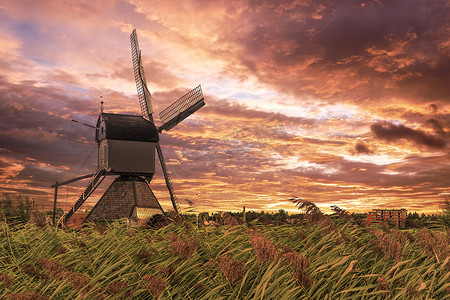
x=126, y=149
x=181, y=109
x=144, y=95
x=145, y=102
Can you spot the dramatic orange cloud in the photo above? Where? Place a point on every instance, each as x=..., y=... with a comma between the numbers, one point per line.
x=342, y=103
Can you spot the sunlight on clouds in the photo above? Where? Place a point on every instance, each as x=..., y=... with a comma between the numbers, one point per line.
x=10, y=169
x=388, y=172
x=250, y=93
x=287, y=102
x=338, y=111
x=293, y=110
x=294, y=162
x=378, y=159
x=275, y=205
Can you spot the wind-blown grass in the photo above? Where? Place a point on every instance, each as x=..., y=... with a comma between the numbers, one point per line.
x=321, y=260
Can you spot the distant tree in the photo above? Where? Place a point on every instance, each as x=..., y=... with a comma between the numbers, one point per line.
x=281, y=215
x=413, y=215
x=251, y=215
x=414, y=223
x=7, y=206
x=297, y=216
x=21, y=210
x=264, y=219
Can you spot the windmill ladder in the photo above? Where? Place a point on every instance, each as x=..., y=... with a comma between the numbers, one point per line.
x=87, y=192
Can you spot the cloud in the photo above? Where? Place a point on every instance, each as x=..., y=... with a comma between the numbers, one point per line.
x=315, y=49
x=433, y=107
x=361, y=148
x=391, y=132
x=437, y=126
x=290, y=87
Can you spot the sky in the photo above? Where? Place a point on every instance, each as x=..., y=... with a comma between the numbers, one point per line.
x=341, y=103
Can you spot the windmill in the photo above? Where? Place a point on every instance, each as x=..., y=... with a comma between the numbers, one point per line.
x=126, y=149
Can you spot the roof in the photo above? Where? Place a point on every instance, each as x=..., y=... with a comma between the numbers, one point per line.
x=121, y=197
x=127, y=128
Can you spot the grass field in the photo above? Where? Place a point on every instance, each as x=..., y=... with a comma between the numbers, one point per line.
x=320, y=260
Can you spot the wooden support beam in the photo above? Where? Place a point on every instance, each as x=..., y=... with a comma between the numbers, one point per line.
x=73, y=180
x=64, y=183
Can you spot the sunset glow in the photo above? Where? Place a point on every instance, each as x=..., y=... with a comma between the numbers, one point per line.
x=344, y=103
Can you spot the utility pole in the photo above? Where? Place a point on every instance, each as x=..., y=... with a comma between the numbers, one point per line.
x=54, y=203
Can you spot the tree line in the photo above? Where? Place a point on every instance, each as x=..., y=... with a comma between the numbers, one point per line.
x=20, y=209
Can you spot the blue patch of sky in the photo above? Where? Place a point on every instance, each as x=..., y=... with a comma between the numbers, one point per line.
x=36, y=43
x=79, y=92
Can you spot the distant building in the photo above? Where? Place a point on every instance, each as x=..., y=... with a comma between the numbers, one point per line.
x=380, y=215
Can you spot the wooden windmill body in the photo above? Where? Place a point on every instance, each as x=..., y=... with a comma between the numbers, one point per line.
x=127, y=146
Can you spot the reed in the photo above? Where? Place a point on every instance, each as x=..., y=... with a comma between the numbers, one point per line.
x=317, y=259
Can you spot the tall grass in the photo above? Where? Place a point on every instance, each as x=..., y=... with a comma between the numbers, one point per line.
x=321, y=260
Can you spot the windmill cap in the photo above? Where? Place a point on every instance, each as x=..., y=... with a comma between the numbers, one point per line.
x=126, y=128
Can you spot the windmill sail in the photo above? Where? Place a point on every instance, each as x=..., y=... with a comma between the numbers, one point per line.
x=145, y=98
x=181, y=109
x=145, y=101
x=169, y=185
x=128, y=143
